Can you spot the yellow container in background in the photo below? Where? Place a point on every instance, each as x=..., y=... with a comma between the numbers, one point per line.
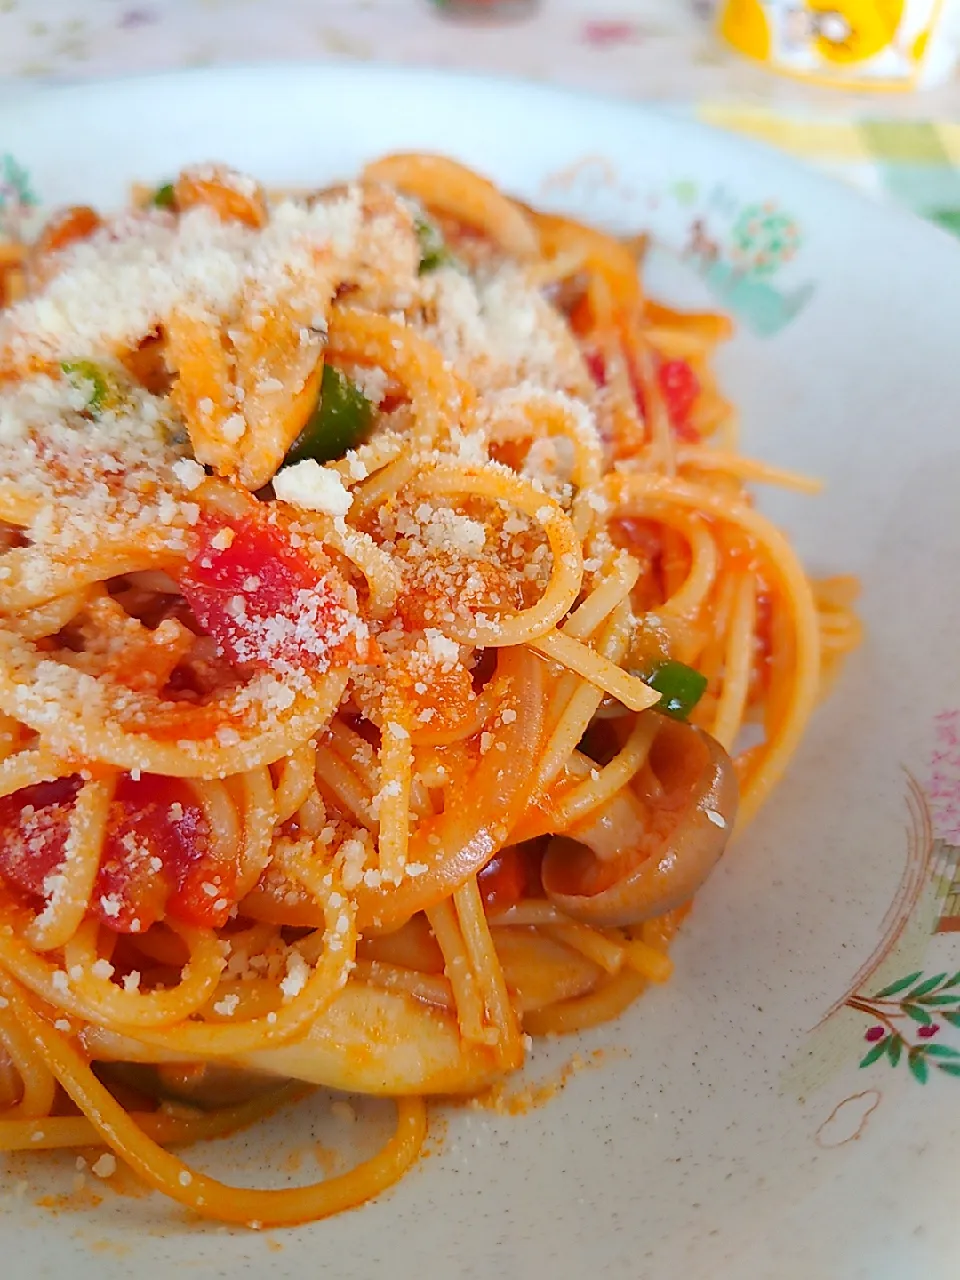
x=851, y=44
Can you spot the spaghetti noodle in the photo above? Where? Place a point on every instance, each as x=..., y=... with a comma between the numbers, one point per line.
x=385, y=651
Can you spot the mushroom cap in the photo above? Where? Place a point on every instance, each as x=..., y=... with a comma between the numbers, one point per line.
x=689, y=819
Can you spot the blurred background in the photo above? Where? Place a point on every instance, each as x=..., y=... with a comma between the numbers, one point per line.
x=836, y=82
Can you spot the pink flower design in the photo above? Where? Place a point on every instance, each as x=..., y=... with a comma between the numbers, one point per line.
x=137, y=18
x=604, y=33
x=943, y=787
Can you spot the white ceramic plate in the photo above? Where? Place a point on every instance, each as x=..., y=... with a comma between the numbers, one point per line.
x=731, y=1129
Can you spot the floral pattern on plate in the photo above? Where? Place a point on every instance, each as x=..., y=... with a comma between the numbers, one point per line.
x=745, y=249
x=17, y=197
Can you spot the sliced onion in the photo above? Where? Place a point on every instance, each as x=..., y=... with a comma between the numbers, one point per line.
x=367, y=1041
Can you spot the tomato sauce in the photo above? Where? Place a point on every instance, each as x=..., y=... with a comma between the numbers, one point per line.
x=158, y=857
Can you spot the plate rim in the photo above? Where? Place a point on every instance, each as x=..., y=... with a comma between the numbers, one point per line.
x=891, y=219
x=22, y=100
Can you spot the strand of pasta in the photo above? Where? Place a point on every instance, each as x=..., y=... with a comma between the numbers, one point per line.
x=163, y=1126
x=489, y=974
x=355, y=751
x=29, y=766
x=589, y=942
x=339, y=781
x=539, y=418
x=76, y=729
x=69, y=899
x=448, y=187
x=222, y=818
x=164, y=1172
x=597, y=945
x=476, y=713
x=259, y=809
x=564, y=584
x=200, y=1040
x=459, y=972
x=47, y=619
x=396, y=767
x=630, y=492
x=576, y=715
x=604, y=1004
x=383, y=577
x=462, y=800
x=32, y=578
x=56, y=987
x=413, y=361
x=112, y=1005
x=690, y=597
x=38, y=1083
x=659, y=427
x=654, y=965
x=738, y=664
x=598, y=670
x=698, y=458
x=430, y=988
x=581, y=800
x=296, y=781
x=616, y=584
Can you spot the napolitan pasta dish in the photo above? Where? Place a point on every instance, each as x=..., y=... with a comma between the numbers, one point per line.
x=388, y=647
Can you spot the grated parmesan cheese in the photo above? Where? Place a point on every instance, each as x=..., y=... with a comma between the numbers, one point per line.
x=441, y=648
x=306, y=484
x=295, y=979
x=123, y=465
x=105, y=1166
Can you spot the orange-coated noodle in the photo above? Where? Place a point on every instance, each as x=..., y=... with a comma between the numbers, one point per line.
x=388, y=647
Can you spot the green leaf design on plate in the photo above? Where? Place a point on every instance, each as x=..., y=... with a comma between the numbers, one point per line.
x=917, y=1013
x=924, y=987
x=935, y=1001
x=951, y=1016
x=949, y=1068
x=953, y=981
x=894, y=1049
x=900, y=985
x=15, y=182
x=940, y=1051
x=918, y=1066
x=878, y=1050
x=684, y=191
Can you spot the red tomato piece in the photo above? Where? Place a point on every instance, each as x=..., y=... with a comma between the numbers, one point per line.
x=157, y=818
x=33, y=832
x=503, y=881
x=265, y=604
x=157, y=860
x=680, y=388
x=597, y=367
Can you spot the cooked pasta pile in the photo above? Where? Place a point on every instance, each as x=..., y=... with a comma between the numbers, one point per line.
x=387, y=641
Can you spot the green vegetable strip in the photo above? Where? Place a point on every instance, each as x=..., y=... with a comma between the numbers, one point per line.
x=680, y=687
x=433, y=250
x=163, y=197
x=340, y=421
x=89, y=378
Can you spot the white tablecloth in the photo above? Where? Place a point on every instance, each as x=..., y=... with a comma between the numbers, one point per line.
x=662, y=49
